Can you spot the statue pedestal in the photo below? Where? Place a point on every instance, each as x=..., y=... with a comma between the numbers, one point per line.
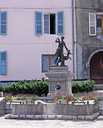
x=59, y=79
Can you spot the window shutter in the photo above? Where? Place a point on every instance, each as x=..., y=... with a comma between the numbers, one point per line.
x=60, y=22
x=3, y=63
x=38, y=23
x=3, y=22
x=53, y=57
x=45, y=63
x=0, y=23
x=46, y=23
x=92, y=24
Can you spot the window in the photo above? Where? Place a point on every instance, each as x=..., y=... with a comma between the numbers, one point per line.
x=47, y=60
x=3, y=63
x=50, y=23
x=96, y=25
x=99, y=24
x=53, y=23
x=3, y=23
x=92, y=24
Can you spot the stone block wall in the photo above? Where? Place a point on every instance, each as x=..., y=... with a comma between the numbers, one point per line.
x=2, y=106
x=85, y=44
x=54, y=109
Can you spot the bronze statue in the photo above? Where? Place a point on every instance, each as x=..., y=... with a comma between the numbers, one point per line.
x=60, y=57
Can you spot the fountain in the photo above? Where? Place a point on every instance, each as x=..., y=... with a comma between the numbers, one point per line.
x=59, y=77
x=63, y=106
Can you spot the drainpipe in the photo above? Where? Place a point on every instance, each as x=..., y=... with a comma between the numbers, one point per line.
x=74, y=38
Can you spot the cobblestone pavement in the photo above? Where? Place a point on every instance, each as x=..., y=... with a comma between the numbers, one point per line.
x=5, y=123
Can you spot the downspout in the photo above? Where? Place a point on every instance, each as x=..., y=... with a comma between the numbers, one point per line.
x=74, y=39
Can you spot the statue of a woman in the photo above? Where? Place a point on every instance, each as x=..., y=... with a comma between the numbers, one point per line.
x=60, y=58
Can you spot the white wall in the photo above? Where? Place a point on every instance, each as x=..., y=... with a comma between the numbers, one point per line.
x=23, y=47
x=35, y=3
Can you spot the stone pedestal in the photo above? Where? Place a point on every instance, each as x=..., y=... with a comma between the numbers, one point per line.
x=59, y=79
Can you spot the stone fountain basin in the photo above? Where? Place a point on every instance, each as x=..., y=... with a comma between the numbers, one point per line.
x=55, y=109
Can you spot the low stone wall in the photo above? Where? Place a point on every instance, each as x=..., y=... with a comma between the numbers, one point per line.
x=100, y=103
x=2, y=106
x=27, y=109
x=70, y=109
x=54, y=111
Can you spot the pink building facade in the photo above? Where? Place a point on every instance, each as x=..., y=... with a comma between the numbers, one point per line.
x=28, y=30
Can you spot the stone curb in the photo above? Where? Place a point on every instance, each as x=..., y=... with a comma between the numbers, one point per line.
x=53, y=117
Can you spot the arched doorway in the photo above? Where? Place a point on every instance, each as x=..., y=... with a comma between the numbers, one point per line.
x=96, y=67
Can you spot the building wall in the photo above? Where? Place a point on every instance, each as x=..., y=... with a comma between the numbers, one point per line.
x=86, y=45
x=24, y=48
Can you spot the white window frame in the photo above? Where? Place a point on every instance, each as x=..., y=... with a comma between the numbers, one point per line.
x=49, y=22
x=56, y=22
x=92, y=23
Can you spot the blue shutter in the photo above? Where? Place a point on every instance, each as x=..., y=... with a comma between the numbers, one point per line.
x=53, y=60
x=3, y=63
x=38, y=23
x=3, y=22
x=60, y=22
x=46, y=23
x=45, y=63
x=0, y=23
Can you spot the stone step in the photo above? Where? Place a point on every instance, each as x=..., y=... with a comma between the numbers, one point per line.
x=98, y=87
x=98, y=93
x=100, y=117
x=53, y=117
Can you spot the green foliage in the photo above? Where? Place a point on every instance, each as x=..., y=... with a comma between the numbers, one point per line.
x=40, y=87
x=1, y=89
x=36, y=87
x=82, y=86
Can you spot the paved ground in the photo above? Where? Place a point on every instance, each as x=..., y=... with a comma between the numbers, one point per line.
x=5, y=123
